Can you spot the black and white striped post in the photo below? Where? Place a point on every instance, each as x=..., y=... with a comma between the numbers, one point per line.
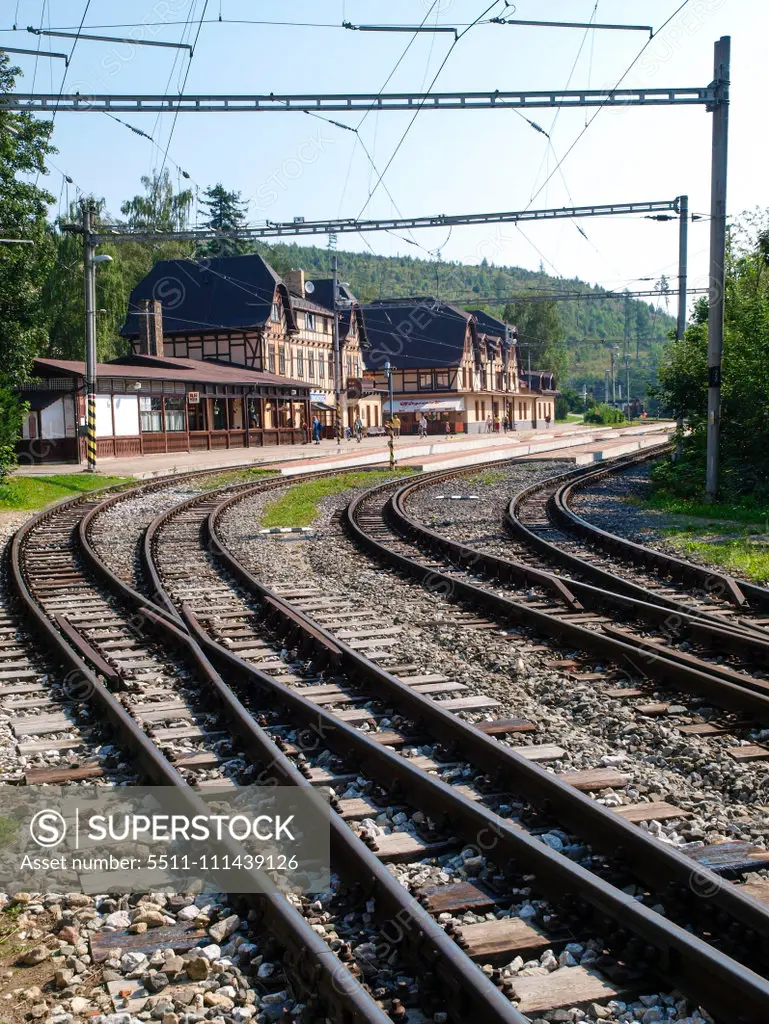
x=90, y=259
x=89, y=268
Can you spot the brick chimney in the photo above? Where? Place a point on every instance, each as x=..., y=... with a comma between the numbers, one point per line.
x=295, y=281
x=150, y=327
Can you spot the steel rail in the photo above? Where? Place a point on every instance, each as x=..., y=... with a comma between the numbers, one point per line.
x=314, y=966
x=652, y=861
x=432, y=949
x=737, y=591
x=721, y=685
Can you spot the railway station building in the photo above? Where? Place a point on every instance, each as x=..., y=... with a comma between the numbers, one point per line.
x=456, y=368
x=239, y=311
x=150, y=405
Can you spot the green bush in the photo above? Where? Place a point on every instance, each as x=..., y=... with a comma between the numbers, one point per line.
x=604, y=414
x=12, y=412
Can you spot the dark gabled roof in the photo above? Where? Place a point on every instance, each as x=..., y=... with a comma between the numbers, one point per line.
x=414, y=333
x=323, y=292
x=229, y=293
x=489, y=324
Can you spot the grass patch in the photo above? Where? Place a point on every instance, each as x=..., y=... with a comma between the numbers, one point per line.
x=27, y=493
x=742, y=512
x=237, y=476
x=298, y=506
x=736, y=555
x=487, y=477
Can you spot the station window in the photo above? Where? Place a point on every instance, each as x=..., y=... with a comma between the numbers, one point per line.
x=309, y=321
x=321, y=367
x=442, y=379
x=426, y=381
x=151, y=410
x=282, y=360
x=174, y=409
x=311, y=365
x=300, y=362
x=331, y=366
x=271, y=359
x=275, y=313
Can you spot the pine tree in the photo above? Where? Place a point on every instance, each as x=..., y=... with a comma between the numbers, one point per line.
x=226, y=213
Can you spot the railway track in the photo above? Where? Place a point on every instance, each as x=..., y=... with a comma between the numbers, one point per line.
x=142, y=676
x=272, y=646
x=158, y=676
x=651, y=640
x=541, y=521
x=243, y=625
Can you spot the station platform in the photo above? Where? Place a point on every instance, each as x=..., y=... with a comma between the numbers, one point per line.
x=580, y=443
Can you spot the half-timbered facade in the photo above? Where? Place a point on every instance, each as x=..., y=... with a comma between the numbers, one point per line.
x=238, y=310
x=459, y=369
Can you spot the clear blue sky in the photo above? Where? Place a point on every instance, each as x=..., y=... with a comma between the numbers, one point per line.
x=450, y=162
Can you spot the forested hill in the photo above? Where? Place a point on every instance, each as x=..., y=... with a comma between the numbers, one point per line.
x=587, y=327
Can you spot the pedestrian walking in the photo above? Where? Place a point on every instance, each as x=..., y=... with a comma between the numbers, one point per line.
x=423, y=426
x=316, y=430
x=397, y=426
x=448, y=429
x=358, y=428
x=489, y=424
x=497, y=423
x=506, y=424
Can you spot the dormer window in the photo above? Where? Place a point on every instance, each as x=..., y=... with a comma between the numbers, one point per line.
x=309, y=321
x=275, y=313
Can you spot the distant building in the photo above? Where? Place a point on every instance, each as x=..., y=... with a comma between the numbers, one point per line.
x=456, y=368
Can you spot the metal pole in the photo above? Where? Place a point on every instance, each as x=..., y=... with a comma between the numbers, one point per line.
x=606, y=386
x=613, y=381
x=337, y=353
x=89, y=271
x=720, y=109
x=683, y=240
x=627, y=382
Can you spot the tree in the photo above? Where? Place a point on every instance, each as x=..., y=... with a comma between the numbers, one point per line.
x=11, y=414
x=745, y=376
x=160, y=207
x=662, y=287
x=226, y=213
x=63, y=297
x=539, y=324
x=24, y=145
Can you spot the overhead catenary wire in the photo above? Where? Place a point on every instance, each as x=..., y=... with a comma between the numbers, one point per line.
x=617, y=84
x=183, y=85
x=421, y=104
